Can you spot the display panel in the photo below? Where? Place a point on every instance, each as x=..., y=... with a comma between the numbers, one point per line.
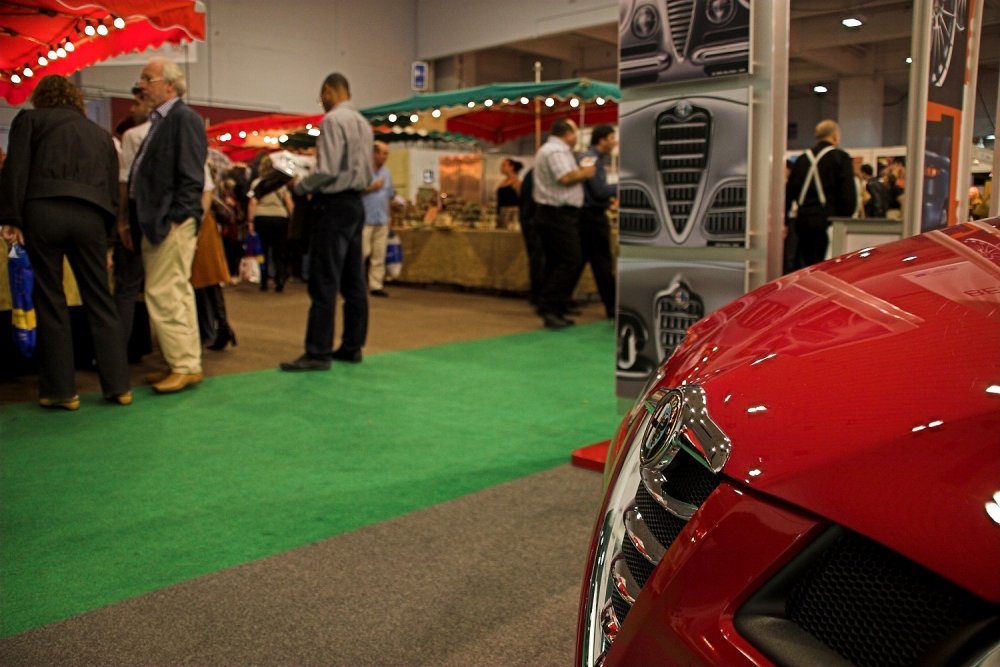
x=683, y=179
x=658, y=301
x=663, y=41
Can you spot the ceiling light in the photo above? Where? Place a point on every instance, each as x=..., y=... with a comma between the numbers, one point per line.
x=61, y=52
x=42, y=62
x=392, y=118
x=819, y=89
x=506, y=100
x=414, y=118
x=991, y=137
x=314, y=132
x=600, y=101
x=119, y=22
x=283, y=138
x=574, y=102
x=243, y=134
x=524, y=100
x=488, y=103
x=436, y=113
x=27, y=72
x=69, y=46
x=549, y=102
x=309, y=126
x=52, y=54
x=909, y=60
x=472, y=104
x=102, y=29
x=852, y=22
x=89, y=30
x=15, y=78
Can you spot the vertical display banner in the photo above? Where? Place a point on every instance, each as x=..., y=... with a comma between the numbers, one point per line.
x=686, y=127
x=946, y=37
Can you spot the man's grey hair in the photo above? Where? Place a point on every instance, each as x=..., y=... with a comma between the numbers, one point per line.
x=172, y=73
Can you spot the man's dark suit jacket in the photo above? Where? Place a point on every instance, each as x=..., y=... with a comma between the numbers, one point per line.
x=171, y=176
x=57, y=152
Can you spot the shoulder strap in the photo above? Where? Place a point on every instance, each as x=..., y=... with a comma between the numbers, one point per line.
x=813, y=176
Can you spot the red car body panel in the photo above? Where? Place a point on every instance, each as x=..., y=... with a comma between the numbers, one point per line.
x=686, y=609
x=864, y=391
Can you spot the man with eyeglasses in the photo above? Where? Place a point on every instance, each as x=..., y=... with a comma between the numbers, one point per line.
x=164, y=193
x=343, y=171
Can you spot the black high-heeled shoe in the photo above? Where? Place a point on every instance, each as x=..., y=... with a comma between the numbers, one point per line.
x=225, y=336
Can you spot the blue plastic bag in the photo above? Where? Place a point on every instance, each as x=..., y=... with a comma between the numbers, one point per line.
x=22, y=281
x=394, y=256
x=253, y=247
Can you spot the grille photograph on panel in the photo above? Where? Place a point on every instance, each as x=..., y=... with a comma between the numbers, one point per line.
x=684, y=171
x=677, y=40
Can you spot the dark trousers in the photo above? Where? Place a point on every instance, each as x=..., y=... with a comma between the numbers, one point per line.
x=559, y=229
x=211, y=306
x=810, y=229
x=536, y=258
x=273, y=234
x=71, y=228
x=595, y=240
x=336, y=264
x=129, y=275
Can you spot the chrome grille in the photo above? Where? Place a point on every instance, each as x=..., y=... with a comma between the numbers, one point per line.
x=655, y=513
x=674, y=316
x=636, y=216
x=682, y=154
x=679, y=13
x=728, y=212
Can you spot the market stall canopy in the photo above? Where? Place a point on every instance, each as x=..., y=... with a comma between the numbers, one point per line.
x=499, y=112
x=39, y=37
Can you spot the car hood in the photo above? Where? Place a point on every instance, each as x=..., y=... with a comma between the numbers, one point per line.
x=866, y=390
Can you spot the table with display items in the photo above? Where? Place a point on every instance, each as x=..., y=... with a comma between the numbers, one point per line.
x=487, y=259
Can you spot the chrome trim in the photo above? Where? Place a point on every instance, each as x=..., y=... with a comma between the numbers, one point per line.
x=642, y=538
x=709, y=54
x=652, y=62
x=609, y=622
x=623, y=580
x=654, y=482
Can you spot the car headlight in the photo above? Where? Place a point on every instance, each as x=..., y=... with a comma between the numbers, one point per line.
x=645, y=22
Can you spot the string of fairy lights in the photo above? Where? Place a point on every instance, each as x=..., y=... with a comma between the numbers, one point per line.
x=86, y=29
x=397, y=120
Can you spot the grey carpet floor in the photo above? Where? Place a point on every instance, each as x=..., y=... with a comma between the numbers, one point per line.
x=489, y=579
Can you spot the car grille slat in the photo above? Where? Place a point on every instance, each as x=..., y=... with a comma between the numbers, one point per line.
x=682, y=135
x=679, y=15
x=673, y=319
x=636, y=216
x=727, y=213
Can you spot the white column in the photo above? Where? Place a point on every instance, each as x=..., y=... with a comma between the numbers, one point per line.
x=859, y=111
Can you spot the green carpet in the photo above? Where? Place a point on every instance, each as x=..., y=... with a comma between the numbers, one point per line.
x=108, y=503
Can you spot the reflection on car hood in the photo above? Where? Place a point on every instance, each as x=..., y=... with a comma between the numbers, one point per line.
x=867, y=390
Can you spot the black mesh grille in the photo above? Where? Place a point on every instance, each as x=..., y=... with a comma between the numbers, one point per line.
x=689, y=480
x=727, y=215
x=664, y=525
x=682, y=151
x=874, y=607
x=620, y=605
x=634, y=198
x=637, y=224
x=637, y=564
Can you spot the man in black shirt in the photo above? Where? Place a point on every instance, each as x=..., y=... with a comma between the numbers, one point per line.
x=878, y=197
x=822, y=182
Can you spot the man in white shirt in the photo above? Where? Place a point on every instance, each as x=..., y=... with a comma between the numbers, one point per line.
x=558, y=192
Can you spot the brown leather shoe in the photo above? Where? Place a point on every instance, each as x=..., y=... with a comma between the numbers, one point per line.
x=120, y=399
x=64, y=403
x=177, y=381
x=156, y=376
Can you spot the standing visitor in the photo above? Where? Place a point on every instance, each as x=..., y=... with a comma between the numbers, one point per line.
x=343, y=171
x=62, y=203
x=375, y=237
x=595, y=230
x=822, y=184
x=558, y=192
x=268, y=216
x=165, y=190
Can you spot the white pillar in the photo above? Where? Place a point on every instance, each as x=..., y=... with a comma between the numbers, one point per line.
x=859, y=111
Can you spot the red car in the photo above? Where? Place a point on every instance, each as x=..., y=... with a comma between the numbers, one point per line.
x=813, y=477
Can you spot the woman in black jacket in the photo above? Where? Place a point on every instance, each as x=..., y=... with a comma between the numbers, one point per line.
x=59, y=198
